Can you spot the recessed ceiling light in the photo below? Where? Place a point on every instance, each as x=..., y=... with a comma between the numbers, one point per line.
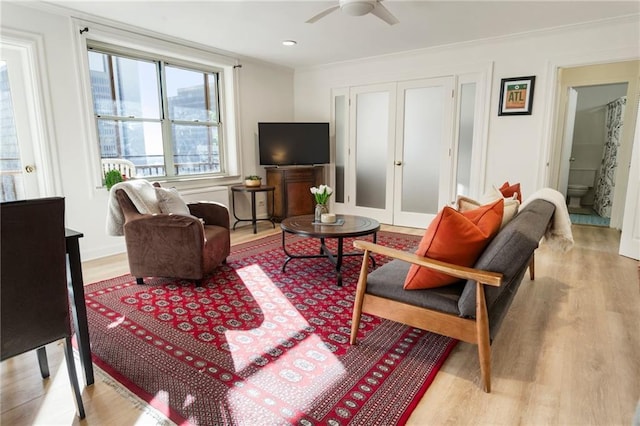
x=289, y=42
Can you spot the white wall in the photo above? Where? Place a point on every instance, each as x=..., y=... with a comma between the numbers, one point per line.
x=266, y=95
x=517, y=145
x=266, y=92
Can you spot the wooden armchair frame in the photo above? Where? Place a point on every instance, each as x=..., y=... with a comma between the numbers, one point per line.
x=475, y=331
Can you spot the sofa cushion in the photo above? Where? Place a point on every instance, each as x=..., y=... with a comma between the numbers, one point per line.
x=384, y=282
x=456, y=238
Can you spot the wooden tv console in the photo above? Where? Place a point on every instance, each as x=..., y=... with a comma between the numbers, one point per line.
x=293, y=189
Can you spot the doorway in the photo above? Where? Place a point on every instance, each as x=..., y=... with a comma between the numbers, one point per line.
x=585, y=94
x=26, y=146
x=594, y=126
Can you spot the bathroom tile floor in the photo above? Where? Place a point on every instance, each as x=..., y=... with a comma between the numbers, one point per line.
x=587, y=216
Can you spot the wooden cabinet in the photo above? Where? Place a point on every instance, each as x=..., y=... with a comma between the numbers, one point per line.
x=293, y=190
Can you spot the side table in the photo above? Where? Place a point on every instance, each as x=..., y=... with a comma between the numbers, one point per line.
x=252, y=190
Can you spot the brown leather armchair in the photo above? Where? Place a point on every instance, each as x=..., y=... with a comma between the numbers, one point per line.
x=172, y=245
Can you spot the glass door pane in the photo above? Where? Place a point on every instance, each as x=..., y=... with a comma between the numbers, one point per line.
x=422, y=142
x=466, y=121
x=423, y=169
x=11, y=181
x=369, y=177
x=372, y=128
x=342, y=143
x=18, y=127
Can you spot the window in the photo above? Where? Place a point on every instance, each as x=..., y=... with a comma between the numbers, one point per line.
x=163, y=117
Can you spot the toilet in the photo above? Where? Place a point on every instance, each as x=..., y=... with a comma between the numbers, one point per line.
x=575, y=193
x=580, y=181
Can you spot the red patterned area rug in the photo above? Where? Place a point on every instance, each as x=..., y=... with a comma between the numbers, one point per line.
x=256, y=346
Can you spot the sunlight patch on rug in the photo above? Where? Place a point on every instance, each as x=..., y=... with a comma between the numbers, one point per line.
x=304, y=366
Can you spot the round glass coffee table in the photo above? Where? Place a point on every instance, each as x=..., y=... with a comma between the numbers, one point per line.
x=346, y=226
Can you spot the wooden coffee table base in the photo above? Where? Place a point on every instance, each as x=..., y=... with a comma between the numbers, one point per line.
x=354, y=226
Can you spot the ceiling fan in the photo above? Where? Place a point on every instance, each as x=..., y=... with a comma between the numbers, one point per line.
x=359, y=8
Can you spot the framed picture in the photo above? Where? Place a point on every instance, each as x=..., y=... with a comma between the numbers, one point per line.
x=516, y=95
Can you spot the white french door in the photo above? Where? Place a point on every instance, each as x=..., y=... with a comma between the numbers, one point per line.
x=26, y=147
x=17, y=161
x=422, y=162
x=371, y=146
x=393, y=145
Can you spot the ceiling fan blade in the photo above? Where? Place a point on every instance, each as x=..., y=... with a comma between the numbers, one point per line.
x=322, y=14
x=381, y=12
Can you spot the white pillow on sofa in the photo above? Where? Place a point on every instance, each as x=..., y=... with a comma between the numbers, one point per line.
x=170, y=202
x=511, y=205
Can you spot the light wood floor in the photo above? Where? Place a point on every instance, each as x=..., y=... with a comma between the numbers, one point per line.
x=568, y=352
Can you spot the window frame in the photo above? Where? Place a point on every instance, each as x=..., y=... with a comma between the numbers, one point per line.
x=164, y=117
x=177, y=53
x=219, y=124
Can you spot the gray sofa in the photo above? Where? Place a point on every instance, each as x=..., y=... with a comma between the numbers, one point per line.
x=471, y=310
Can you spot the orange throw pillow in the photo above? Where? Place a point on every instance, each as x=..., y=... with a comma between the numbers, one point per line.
x=508, y=191
x=457, y=238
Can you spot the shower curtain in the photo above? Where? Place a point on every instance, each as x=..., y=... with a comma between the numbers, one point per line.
x=607, y=173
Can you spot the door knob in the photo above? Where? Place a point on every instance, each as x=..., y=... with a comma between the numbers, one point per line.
x=30, y=169
x=398, y=163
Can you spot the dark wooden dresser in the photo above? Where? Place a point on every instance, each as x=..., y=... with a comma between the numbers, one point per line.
x=293, y=189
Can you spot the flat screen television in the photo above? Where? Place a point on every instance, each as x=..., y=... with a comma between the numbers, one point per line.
x=288, y=144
